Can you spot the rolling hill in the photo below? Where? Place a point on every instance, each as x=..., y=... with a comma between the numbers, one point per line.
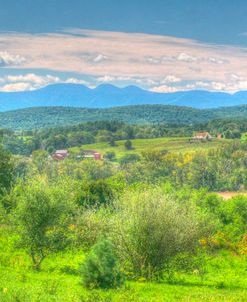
x=34, y=118
x=106, y=96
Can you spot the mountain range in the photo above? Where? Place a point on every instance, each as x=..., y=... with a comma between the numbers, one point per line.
x=106, y=96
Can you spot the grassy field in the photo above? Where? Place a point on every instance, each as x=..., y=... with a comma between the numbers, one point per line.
x=59, y=280
x=159, y=144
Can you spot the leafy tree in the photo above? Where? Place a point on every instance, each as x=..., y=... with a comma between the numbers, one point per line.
x=50, y=149
x=110, y=155
x=128, y=145
x=112, y=142
x=129, y=158
x=6, y=171
x=101, y=269
x=95, y=193
x=42, y=220
x=40, y=158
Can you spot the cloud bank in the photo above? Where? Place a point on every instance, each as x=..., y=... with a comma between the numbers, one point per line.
x=158, y=63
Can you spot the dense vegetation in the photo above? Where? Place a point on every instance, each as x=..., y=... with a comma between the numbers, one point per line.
x=26, y=141
x=34, y=118
x=146, y=227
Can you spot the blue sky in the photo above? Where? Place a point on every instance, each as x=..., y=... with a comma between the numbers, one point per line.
x=185, y=44
x=213, y=21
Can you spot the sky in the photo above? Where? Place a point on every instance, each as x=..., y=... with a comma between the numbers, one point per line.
x=159, y=45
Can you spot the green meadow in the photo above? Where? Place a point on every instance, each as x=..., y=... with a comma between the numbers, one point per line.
x=176, y=145
x=225, y=279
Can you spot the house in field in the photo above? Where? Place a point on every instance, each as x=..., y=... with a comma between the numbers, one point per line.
x=60, y=155
x=91, y=154
x=202, y=136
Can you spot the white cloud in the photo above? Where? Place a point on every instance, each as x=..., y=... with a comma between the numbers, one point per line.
x=186, y=57
x=75, y=81
x=32, y=81
x=164, y=89
x=33, y=78
x=22, y=86
x=99, y=58
x=106, y=78
x=153, y=60
x=7, y=59
x=217, y=61
x=171, y=79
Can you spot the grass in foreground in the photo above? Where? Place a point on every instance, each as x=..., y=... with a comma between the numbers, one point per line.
x=59, y=280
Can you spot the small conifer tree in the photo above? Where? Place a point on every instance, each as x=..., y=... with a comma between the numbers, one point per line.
x=101, y=269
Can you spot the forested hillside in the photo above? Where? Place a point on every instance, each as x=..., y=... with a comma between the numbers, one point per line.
x=46, y=117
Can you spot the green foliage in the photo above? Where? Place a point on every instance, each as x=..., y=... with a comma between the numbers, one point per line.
x=152, y=229
x=129, y=158
x=153, y=203
x=36, y=118
x=6, y=172
x=91, y=225
x=40, y=158
x=233, y=216
x=110, y=155
x=112, y=142
x=42, y=218
x=101, y=269
x=95, y=193
x=128, y=145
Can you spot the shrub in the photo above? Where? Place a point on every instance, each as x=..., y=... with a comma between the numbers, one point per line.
x=101, y=269
x=152, y=229
x=233, y=216
x=91, y=224
x=129, y=158
x=128, y=145
x=110, y=155
x=95, y=193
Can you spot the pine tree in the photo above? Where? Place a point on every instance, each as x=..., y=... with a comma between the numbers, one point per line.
x=101, y=269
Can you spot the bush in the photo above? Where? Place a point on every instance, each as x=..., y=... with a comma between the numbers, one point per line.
x=95, y=193
x=101, y=269
x=153, y=229
x=110, y=155
x=129, y=158
x=128, y=145
x=91, y=225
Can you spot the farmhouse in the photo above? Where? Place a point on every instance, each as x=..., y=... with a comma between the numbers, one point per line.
x=91, y=154
x=202, y=136
x=60, y=154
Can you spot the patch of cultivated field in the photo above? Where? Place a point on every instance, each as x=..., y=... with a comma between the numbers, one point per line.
x=229, y=195
x=180, y=144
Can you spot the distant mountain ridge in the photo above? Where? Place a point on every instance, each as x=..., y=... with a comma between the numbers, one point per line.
x=106, y=96
x=49, y=117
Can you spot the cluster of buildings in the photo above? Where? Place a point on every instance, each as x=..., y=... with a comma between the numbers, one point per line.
x=62, y=154
x=204, y=136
